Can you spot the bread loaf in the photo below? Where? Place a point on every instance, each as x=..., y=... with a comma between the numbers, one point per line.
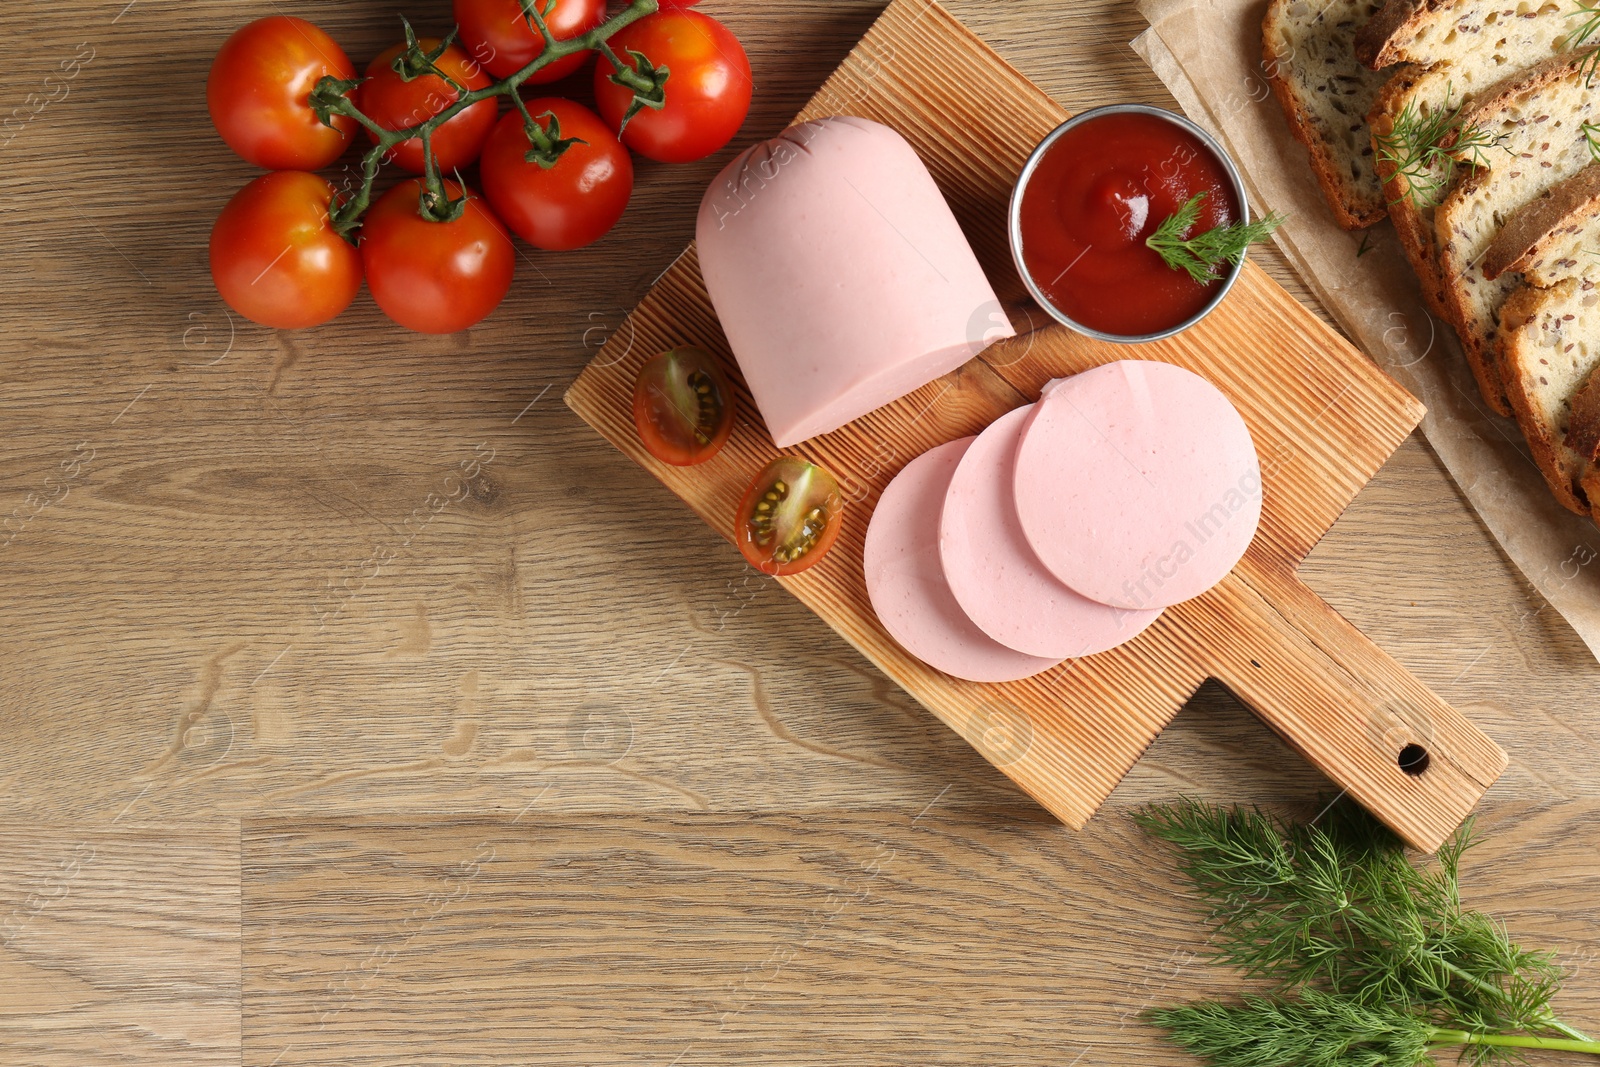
x=1457, y=51
x=1483, y=144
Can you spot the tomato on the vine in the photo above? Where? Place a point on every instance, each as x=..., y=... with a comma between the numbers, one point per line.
x=396, y=104
x=259, y=88
x=570, y=203
x=789, y=517
x=499, y=35
x=683, y=406
x=435, y=277
x=707, y=93
x=275, y=258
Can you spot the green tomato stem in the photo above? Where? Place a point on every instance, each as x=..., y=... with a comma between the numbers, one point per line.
x=347, y=214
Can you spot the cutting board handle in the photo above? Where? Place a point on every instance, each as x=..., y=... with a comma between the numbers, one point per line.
x=1346, y=705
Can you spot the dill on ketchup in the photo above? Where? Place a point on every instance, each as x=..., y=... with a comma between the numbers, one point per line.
x=1203, y=255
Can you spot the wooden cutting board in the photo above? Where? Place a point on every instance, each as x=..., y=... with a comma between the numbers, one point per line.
x=1324, y=420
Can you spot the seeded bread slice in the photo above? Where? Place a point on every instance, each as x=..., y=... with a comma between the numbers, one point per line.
x=1308, y=54
x=1427, y=32
x=1547, y=329
x=1536, y=125
x=1550, y=351
x=1555, y=237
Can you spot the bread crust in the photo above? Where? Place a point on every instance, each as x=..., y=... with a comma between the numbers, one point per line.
x=1378, y=42
x=1519, y=361
x=1414, y=228
x=1481, y=355
x=1528, y=235
x=1525, y=83
x=1583, y=429
x=1325, y=166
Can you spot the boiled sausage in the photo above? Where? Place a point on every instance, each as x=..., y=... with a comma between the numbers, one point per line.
x=841, y=278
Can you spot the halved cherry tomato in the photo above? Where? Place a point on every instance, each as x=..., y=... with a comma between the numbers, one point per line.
x=789, y=517
x=396, y=104
x=435, y=277
x=707, y=93
x=571, y=203
x=499, y=36
x=683, y=406
x=275, y=258
x=259, y=88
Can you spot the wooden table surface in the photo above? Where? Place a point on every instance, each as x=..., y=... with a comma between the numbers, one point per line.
x=312, y=752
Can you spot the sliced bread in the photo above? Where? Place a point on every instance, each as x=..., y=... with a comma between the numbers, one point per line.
x=1427, y=32
x=1557, y=236
x=1457, y=51
x=1536, y=126
x=1309, y=59
x=1550, y=349
x=1549, y=344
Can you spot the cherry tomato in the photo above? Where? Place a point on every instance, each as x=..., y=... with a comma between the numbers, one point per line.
x=789, y=517
x=435, y=277
x=683, y=406
x=499, y=36
x=568, y=205
x=275, y=258
x=395, y=104
x=259, y=92
x=707, y=91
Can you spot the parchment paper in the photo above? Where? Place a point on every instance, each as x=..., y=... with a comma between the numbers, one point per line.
x=1208, y=52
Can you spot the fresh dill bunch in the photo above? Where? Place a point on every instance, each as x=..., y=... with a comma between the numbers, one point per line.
x=1426, y=149
x=1202, y=255
x=1338, y=906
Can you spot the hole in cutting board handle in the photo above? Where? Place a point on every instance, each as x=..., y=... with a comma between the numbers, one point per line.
x=1414, y=760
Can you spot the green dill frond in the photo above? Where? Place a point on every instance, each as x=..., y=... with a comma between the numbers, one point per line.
x=1591, y=133
x=1313, y=1030
x=1426, y=148
x=1203, y=255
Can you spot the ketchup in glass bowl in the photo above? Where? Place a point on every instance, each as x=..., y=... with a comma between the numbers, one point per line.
x=1091, y=196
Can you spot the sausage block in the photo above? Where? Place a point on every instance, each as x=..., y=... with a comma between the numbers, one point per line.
x=841, y=278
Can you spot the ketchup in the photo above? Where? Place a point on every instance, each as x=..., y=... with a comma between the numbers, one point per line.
x=1098, y=192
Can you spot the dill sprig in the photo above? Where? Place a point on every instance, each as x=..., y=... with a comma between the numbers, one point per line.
x=1356, y=938
x=1322, y=1030
x=1591, y=133
x=1589, y=12
x=1426, y=149
x=1203, y=255
x=1314, y=1030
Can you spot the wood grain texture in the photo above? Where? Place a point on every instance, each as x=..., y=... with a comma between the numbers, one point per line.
x=119, y=946
x=1323, y=419
x=881, y=938
x=566, y=635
